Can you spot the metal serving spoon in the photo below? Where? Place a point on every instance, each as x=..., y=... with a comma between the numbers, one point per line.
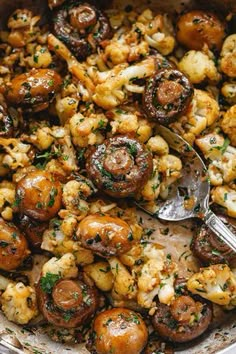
x=193, y=186
x=11, y=342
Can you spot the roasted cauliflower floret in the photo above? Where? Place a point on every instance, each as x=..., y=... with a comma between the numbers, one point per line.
x=228, y=124
x=226, y=197
x=117, y=52
x=64, y=149
x=158, y=145
x=124, y=285
x=216, y=283
x=40, y=58
x=23, y=28
x=60, y=240
x=202, y=112
x=64, y=266
x=42, y=138
x=74, y=197
x=125, y=122
x=228, y=90
x=228, y=56
x=151, y=189
x=112, y=92
x=101, y=274
x=222, y=168
x=19, y=303
x=158, y=31
x=198, y=67
x=7, y=198
x=17, y=154
x=156, y=278
x=66, y=107
x=86, y=130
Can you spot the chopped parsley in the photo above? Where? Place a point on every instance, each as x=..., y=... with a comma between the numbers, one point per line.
x=48, y=281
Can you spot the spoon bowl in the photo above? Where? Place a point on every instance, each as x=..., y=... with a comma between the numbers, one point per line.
x=189, y=196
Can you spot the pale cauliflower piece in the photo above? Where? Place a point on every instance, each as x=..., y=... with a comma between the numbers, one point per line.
x=158, y=145
x=58, y=239
x=74, y=197
x=111, y=93
x=117, y=52
x=228, y=124
x=41, y=58
x=7, y=197
x=66, y=107
x=17, y=154
x=228, y=56
x=198, y=67
x=170, y=167
x=201, y=113
x=101, y=274
x=228, y=90
x=64, y=266
x=124, y=286
x=158, y=31
x=151, y=189
x=125, y=122
x=85, y=130
x=64, y=148
x=42, y=138
x=156, y=277
x=222, y=168
x=216, y=283
x=226, y=197
x=19, y=303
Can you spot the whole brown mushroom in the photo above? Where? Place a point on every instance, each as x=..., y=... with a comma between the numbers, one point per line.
x=81, y=26
x=167, y=95
x=105, y=235
x=68, y=303
x=185, y=319
x=39, y=195
x=13, y=246
x=34, y=90
x=196, y=28
x=120, y=166
x=209, y=248
x=119, y=331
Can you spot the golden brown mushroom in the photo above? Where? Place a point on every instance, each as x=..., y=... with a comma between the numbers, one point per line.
x=39, y=195
x=34, y=90
x=119, y=331
x=13, y=246
x=120, y=166
x=196, y=28
x=105, y=235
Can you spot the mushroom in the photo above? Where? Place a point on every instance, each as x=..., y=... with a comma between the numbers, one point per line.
x=196, y=28
x=38, y=195
x=209, y=248
x=81, y=26
x=105, y=235
x=120, y=166
x=119, y=331
x=167, y=95
x=68, y=303
x=33, y=231
x=186, y=318
x=13, y=246
x=33, y=91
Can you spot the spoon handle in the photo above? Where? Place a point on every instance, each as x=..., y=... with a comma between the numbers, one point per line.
x=220, y=229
